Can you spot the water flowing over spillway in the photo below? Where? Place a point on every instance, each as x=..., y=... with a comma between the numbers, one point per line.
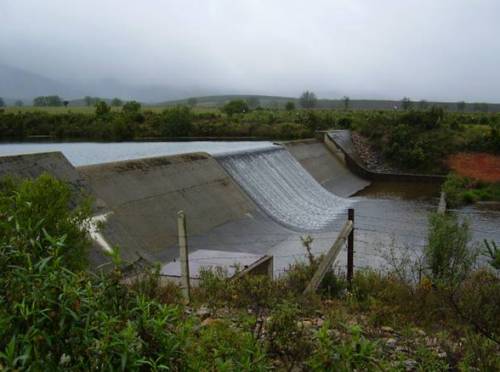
x=284, y=189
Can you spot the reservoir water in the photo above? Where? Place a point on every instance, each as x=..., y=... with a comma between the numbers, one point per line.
x=87, y=153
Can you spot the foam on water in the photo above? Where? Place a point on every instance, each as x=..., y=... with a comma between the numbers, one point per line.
x=284, y=189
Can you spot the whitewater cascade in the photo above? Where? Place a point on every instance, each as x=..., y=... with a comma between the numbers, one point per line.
x=284, y=189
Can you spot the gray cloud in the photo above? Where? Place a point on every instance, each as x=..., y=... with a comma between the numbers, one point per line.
x=447, y=49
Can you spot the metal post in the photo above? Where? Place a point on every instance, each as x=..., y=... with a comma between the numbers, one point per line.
x=183, y=253
x=350, y=247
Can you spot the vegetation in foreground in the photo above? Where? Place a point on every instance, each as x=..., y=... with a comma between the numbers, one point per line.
x=439, y=315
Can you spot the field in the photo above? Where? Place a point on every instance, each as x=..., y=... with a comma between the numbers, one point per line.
x=90, y=109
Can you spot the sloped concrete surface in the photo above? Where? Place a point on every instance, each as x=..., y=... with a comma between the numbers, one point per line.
x=145, y=195
x=326, y=167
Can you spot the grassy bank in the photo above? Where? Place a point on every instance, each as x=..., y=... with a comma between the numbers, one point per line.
x=436, y=314
x=463, y=190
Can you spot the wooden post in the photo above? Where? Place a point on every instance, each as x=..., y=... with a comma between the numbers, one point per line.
x=350, y=247
x=442, y=203
x=329, y=258
x=183, y=253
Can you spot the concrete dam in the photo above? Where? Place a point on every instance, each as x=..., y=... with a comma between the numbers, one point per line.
x=254, y=202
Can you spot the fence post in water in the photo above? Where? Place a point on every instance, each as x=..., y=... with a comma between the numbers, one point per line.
x=442, y=203
x=183, y=253
x=350, y=247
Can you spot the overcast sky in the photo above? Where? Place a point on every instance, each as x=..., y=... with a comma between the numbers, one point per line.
x=431, y=49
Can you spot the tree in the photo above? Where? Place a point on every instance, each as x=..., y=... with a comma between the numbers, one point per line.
x=101, y=108
x=290, y=106
x=48, y=101
x=253, y=102
x=308, y=100
x=177, y=122
x=19, y=103
x=236, y=106
x=2, y=102
x=65, y=103
x=88, y=100
x=481, y=107
x=192, y=101
x=406, y=103
x=346, y=101
x=116, y=102
x=131, y=107
x=461, y=106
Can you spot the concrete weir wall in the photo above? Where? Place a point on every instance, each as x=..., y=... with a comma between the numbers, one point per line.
x=325, y=167
x=145, y=195
x=341, y=141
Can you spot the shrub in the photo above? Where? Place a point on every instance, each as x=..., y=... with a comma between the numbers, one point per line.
x=448, y=254
x=237, y=106
x=177, y=122
x=223, y=347
x=354, y=354
x=131, y=107
x=288, y=339
x=101, y=108
x=54, y=315
x=36, y=211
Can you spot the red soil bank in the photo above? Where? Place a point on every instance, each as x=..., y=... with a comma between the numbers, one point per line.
x=480, y=166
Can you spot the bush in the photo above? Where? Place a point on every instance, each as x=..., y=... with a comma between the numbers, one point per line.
x=223, y=347
x=101, y=108
x=288, y=339
x=448, y=254
x=177, y=122
x=34, y=212
x=355, y=354
x=237, y=106
x=131, y=107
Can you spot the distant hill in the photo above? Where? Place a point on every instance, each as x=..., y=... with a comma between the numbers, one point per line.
x=354, y=104
x=16, y=83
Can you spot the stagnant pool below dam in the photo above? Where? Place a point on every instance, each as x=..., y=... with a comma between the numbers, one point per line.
x=387, y=214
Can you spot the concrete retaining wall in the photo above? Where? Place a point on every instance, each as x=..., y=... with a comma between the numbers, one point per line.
x=341, y=140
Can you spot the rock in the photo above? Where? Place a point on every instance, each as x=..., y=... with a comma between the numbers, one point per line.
x=410, y=364
x=387, y=329
x=305, y=324
x=203, y=312
x=442, y=355
x=333, y=333
x=209, y=322
x=391, y=342
x=421, y=332
x=320, y=322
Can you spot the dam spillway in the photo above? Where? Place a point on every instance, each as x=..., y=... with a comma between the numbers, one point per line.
x=258, y=202
x=283, y=189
